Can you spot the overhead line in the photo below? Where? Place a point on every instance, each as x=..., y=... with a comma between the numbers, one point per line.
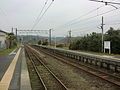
x=88, y=13
x=86, y=27
x=113, y=23
x=96, y=16
x=89, y=29
x=2, y=11
x=83, y=15
x=42, y=10
x=105, y=2
x=42, y=15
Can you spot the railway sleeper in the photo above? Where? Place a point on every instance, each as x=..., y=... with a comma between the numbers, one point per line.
x=93, y=61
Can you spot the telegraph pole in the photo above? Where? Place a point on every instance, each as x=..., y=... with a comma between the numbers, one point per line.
x=12, y=30
x=102, y=27
x=55, y=41
x=16, y=33
x=70, y=34
x=50, y=34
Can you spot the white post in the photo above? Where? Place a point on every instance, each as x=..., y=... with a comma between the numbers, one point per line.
x=55, y=41
x=110, y=49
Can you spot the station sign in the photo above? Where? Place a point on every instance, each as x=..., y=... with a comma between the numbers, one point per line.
x=107, y=45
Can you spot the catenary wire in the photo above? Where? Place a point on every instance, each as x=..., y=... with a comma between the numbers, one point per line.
x=71, y=21
x=42, y=15
x=93, y=16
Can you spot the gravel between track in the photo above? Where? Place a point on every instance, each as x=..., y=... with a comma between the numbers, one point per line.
x=75, y=79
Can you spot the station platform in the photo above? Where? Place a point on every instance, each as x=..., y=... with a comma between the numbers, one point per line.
x=13, y=72
x=4, y=63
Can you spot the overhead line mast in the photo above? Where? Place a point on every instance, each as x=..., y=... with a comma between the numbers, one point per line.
x=106, y=3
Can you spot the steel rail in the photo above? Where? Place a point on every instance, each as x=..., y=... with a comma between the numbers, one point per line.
x=36, y=70
x=37, y=56
x=102, y=75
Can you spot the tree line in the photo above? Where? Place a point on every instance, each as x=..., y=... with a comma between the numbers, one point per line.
x=93, y=41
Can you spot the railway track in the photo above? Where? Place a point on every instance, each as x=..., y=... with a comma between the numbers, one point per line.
x=100, y=74
x=36, y=81
x=47, y=79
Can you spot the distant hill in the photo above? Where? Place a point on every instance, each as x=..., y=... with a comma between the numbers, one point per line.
x=66, y=39
x=31, y=38
x=35, y=39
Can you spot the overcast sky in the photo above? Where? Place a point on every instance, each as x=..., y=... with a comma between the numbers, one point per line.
x=22, y=14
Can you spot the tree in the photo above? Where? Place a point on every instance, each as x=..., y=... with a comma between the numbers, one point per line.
x=113, y=36
x=39, y=42
x=90, y=42
x=11, y=40
x=45, y=42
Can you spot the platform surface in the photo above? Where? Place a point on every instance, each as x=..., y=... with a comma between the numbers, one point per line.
x=25, y=81
x=20, y=79
x=5, y=62
x=13, y=72
x=6, y=79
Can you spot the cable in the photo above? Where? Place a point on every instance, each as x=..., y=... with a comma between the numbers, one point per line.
x=106, y=3
x=85, y=33
x=42, y=15
x=87, y=13
x=82, y=15
x=95, y=16
x=2, y=11
x=118, y=23
x=89, y=26
x=40, y=12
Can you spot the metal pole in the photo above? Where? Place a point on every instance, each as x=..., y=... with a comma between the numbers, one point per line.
x=55, y=41
x=12, y=30
x=102, y=35
x=69, y=36
x=50, y=37
x=16, y=33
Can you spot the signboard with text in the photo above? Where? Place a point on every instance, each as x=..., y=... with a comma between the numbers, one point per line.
x=107, y=46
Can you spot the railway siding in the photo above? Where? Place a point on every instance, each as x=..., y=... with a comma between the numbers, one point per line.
x=103, y=62
x=110, y=78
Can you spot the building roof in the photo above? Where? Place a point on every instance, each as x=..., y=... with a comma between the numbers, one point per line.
x=3, y=31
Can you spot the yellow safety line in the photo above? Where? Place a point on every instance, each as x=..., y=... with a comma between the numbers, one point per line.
x=5, y=82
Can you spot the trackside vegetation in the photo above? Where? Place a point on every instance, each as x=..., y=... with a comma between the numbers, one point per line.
x=92, y=42
x=7, y=51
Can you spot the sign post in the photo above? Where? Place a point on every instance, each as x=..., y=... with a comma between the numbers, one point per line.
x=107, y=45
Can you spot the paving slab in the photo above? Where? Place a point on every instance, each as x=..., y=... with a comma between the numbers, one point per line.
x=25, y=80
x=20, y=79
x=15, y=82
x=6, y=79
x=4, y=63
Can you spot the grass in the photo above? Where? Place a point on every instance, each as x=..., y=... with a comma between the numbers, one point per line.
x=6, y=51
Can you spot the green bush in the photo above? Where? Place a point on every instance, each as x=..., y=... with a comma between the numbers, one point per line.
x=60, y=45
x=39, y=42
x=92, y=42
